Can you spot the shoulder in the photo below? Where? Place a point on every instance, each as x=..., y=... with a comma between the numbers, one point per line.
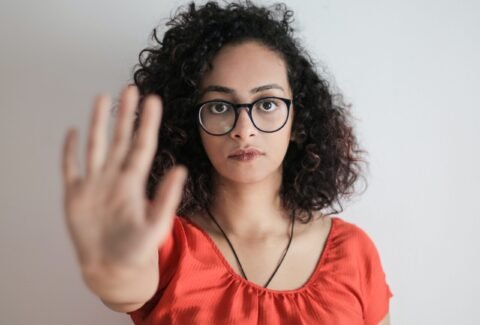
x=188, y=235
x=358, y=247
x=362, y=250
x=353, y=235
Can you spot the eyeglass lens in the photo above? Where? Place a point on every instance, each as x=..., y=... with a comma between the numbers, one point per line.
x=268, y=115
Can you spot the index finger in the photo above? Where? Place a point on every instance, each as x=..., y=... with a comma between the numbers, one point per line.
x=146, y=141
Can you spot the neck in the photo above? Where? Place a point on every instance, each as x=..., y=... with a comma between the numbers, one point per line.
x=250, y=211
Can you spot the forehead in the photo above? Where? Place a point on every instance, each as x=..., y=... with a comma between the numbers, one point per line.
x=245, y=66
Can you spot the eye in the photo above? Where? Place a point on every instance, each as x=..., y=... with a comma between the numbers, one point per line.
x=217, y=107
x=267, y=105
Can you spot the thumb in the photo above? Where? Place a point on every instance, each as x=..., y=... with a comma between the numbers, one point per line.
x=164, y=207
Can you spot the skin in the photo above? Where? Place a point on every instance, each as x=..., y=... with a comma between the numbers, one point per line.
x=386, y=320
x=110, y=266
x=115, y=232
x=250, y=190
x=247, y=205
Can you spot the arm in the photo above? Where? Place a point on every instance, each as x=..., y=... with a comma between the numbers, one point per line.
x=117, y=240
x=386, y=320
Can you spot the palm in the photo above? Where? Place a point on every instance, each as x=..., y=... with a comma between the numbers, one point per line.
x=107, y=215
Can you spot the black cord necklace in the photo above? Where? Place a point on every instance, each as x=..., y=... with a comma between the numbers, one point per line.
x=234, y=253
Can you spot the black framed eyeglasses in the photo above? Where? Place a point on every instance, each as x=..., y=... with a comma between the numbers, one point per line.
x=219, y=117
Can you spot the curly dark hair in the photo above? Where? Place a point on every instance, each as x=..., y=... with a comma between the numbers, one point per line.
x=321, y=165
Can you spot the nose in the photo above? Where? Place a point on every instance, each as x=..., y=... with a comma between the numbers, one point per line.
x=244, y=127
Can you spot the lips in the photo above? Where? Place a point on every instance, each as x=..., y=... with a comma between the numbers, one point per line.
x=245, y=152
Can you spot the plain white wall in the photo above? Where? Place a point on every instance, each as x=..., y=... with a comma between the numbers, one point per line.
x=410, y=69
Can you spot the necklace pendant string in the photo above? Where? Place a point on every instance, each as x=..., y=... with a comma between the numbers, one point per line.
x=235, y=254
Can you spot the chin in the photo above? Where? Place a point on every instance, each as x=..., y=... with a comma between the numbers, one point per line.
x=246, y=176
x=244, y=180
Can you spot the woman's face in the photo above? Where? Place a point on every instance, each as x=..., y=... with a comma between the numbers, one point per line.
x=239, y=70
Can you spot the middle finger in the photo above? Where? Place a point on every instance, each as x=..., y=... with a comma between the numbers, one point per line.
x=122, y=137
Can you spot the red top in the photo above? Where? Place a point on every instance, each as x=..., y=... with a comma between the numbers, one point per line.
x=198, y=286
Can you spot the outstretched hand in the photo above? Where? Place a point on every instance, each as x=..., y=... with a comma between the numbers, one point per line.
x=108, y=217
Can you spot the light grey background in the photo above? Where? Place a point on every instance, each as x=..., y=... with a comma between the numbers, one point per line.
x=410, y=69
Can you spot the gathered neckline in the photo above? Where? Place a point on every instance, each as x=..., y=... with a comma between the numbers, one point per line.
x=253, y=285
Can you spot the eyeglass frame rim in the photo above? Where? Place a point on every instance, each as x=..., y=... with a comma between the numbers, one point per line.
x=236, y=107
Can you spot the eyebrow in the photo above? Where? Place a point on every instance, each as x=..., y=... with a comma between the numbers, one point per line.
x=226, y=90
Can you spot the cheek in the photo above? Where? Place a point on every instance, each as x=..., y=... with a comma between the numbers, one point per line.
x=281, y=140
x=281, y=147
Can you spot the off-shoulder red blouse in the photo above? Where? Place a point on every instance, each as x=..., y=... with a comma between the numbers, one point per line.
x=198, y=286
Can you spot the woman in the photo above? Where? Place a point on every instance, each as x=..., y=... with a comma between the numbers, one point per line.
x=240, y=238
